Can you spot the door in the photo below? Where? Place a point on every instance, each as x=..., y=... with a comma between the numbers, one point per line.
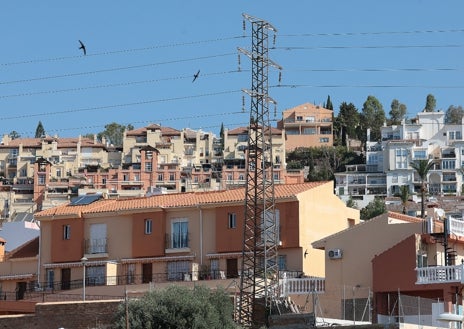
x=20, y=290
x=147, y=272
x=232, y=268
x=65, y=278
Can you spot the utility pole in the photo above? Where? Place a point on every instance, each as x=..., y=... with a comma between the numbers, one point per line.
x=259, y=272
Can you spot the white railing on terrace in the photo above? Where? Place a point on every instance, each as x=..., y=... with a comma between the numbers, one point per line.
x=456, y=225
x=440, y=274
x=301, y=286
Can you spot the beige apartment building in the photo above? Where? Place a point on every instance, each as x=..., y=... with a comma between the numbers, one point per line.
x=307, y=125
x=39, y=173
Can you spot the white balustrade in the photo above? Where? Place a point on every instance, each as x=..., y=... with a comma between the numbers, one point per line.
x=439, y=274
x=296, y=286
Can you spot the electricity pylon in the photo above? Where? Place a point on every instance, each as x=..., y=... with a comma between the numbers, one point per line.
x=259, y=272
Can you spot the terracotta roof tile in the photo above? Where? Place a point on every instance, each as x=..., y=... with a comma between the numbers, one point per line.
x=166, y=131
x=244, y=130
x=172, y=200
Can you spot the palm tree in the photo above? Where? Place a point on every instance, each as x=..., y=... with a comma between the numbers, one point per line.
x=422, y=168
x=404, y=196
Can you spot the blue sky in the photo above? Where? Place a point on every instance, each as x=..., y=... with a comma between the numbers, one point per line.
x=142, y=55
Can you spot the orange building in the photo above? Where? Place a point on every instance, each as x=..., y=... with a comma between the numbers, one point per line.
x=307, y=125
x=188, y=236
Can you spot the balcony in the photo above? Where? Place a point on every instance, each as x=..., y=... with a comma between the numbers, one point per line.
x=301, y=286
x=440, y=274
x=96, y=246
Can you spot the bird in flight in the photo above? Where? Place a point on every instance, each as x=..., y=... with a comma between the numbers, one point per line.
x=195, y=76
x=82, y=47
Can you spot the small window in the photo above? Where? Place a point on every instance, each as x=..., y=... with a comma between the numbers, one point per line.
x=66, y=232
x=232, y=220
x=148, y=226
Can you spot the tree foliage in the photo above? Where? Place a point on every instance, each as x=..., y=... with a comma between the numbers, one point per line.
x=397, y=112
x=430, y=103
x=372, y=117
x=404, y=196
x=14, y=134
x=346, y=123
x=454, y=115
x=178, y=307
x=39, y=131
x=422, y=168
x=322, y=162
x=328, y=105
x=114, y=133
x=374, y=208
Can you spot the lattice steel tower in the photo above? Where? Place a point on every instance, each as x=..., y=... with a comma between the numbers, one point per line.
x=259, y=279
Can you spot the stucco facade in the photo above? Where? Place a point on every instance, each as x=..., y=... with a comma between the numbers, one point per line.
x=198, y=235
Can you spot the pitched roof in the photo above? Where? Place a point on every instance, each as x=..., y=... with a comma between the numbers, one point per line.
x=244, y=130
x=166, y=131
x=320, y=244
x=173, y=200
x=27, y=249
x=68, y=142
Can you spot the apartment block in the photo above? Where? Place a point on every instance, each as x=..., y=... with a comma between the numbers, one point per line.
x=307, y=125
x=387, y=167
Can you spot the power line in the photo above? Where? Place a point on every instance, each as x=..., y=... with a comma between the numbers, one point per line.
x=364, y=86
x=228, y=124
x=368, y=47
x=129, y=50
x=105, y=107
x=112, y=85
x=371, y=33
x=67, y=75
x=404, y=69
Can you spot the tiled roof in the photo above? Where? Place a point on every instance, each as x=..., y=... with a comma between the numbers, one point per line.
x=28, y=249
x=173, y=200
x=68, y=142
x=308, y=107
x=166, y=131
x=244, y=130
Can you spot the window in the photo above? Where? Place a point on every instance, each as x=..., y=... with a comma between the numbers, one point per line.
x=148, y=166
x=172, y=177
x=130, y=273
x=420, y=154
x=270, y=228
x=58, y=172
x=41, y=179
x=323, y=140
x=449, y=164
x=310, y=119
x=309, y=131
x=282, y=262
x=232, y=220
x=215, y=269
x=160, y=177
x=66, y=232
x=50, y=278
x=179, y=270
x=242, y=138
x=179, y=234
x=148, y=226
x=299, y=118
x=95, y=275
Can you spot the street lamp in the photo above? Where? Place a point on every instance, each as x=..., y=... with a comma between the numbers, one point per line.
x=84, y=261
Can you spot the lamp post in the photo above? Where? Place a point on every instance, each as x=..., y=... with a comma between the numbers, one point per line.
x=84, y=261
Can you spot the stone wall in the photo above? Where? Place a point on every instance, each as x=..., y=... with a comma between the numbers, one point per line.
x=72, y=315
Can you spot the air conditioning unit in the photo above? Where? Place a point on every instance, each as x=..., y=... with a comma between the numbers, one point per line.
x=335, y=253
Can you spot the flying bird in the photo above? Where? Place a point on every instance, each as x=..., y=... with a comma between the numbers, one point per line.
x=82, y=47
x=195, y=76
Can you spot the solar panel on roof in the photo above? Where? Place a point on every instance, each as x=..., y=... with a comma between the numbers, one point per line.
x=85, y=199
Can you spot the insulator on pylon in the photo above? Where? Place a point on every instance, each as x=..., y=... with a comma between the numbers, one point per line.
x=243, y=103
x=239, y=63
x=274, y=40
x=244, y=26
x=280, y=77
x=275, y=110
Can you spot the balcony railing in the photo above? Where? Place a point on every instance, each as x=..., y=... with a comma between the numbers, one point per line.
x=440, y=274
x=177, y=241
x=298, y=286
x=96, y=246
